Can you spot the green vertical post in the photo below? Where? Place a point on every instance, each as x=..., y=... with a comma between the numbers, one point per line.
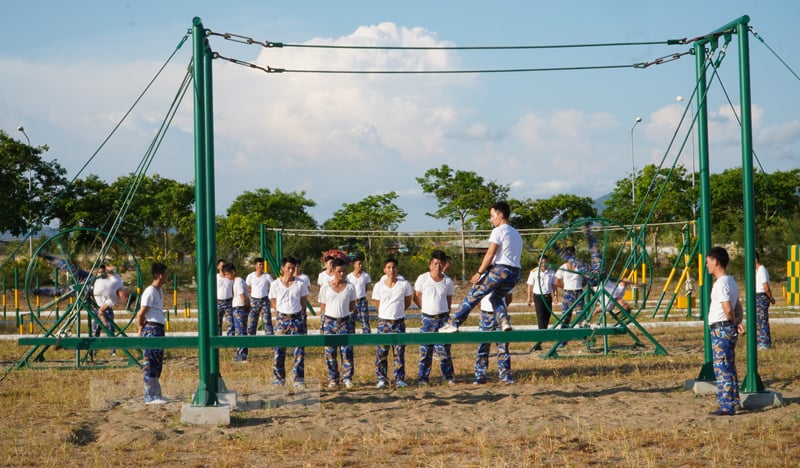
x=55, y=282
x=752, y=382
x=707, y=370
x=205, y=394
x=210, y=206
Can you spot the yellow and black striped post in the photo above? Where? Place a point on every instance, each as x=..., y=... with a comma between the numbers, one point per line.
x=793, y=275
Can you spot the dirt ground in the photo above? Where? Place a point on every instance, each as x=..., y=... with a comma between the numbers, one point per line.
x=584, y=409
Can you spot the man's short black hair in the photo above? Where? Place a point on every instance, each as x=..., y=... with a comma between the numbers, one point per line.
x=158, y=268
x=439, y=255
x=339, y=262
x=258, y=260
x=390, y=260
x=720, y=255
x=289, y=259
x=228, y=268
x=503, y=208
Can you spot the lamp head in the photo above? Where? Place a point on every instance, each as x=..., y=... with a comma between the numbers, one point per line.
x=638, y=119
x=21, y=129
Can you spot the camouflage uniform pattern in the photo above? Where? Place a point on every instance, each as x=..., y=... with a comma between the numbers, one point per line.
x=286, y=324
x=153, y=363
x=362, y=311
x=225, y=311
x=489, y=323
x=723, y=346
x=382, y=351
x=239, y=315
x=260, y=307
x=499, y=280
x=430, y=324
x=344, y=326
x=763, y=335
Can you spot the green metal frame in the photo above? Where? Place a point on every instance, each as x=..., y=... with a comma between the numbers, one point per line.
x=752, y=382
x=208, y=344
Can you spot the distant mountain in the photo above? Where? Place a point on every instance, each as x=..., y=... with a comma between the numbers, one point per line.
x=46, y=231
x=600, y=203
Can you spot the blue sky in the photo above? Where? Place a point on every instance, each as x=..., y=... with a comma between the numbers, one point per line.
x=70, y=70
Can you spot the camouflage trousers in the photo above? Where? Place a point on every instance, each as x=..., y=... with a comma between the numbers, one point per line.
x=431, y=324
x=489, y=323
x=344, y=326
x=260, y=307
x=289, y=324
x=500, y=279
x=763, y=335
x=382, y=351
x=723, y=346
x=225, y=311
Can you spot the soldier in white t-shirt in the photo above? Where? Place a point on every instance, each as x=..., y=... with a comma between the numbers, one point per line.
x=289, y=296
x=764, y=299
x=224, y=299
x=392, y=297
x=360, y=279
x=725, y=325
x=258, y=283
x=497, y=273
x=150, y=321
x=337, y=301
x=433, y=294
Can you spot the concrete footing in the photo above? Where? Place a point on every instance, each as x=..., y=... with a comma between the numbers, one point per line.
x=206, y=415
x=761, y=400
x=219, y=415
x=701, y=387
x=227, y=398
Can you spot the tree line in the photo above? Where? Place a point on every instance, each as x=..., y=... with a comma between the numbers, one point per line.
x=159, y=222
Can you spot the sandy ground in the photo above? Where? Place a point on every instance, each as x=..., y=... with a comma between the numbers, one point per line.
x=578, y=410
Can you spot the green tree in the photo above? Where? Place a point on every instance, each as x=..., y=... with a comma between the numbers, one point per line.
x=30, y=186
x=464, y=197
x=373, y=213
x=238, y=232
x=661, y=197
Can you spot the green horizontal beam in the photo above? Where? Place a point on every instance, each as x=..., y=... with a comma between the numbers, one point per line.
x=271, y=341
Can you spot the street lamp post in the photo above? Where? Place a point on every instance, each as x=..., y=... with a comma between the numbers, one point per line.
x=30, y=189
x=633, y=163
x=680, y=99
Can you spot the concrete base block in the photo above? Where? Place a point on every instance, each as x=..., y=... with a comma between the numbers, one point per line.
x=761, y=400
x=701, y=387
x=206, y=415
x=227, y=398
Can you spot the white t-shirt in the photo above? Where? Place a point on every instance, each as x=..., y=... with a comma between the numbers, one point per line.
x=360, y=282
x=615, y=290
x=304, y=277
x=287, y=298
x=105, y=290
x=324, y=278
x=392, y=300
x=486, y=303
x=434, y=293
x=724, y=289
x=571, y=280
x=337, y=304
x=154, y=300
x=509, y=244
x=224, y=288
x=542, y=281
x=239, y=291
x=762, y=276
x=259, y=285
